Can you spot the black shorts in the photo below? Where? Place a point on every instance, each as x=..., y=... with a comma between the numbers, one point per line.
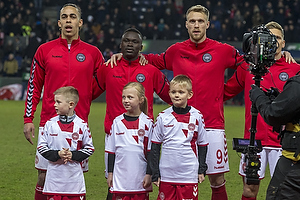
x=285, y=183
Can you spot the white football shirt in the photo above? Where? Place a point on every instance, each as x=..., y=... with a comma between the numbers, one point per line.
x=179, y=135
x=67, y=178
x=130, y=141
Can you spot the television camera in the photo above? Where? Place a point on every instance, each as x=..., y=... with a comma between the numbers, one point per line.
x=259, y=47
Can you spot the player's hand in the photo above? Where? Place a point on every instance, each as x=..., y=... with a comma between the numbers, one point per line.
x=147, y=181
x=113, y=60
x=29, y=131
x=157, y=182
x=201, y=178
x=288, y=57
x=143, y=60
x=110, y=179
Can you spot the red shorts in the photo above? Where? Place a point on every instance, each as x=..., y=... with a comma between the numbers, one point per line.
x=61, y=197
x=143, y=196
x=170, y=191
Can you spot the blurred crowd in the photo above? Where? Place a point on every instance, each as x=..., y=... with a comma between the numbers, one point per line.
x=105, y=20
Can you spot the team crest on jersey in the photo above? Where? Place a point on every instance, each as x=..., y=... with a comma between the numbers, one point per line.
x=283, y=76
x=141, y=132
x=191, y=127
x=75, y=136
x=162, y=196
x=207, y=57
x=36, y=159
x=140, y=78
x=80, y=57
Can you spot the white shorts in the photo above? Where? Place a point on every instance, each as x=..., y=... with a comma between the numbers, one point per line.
x=217, y=152
x=41, y=163
x=267, y=155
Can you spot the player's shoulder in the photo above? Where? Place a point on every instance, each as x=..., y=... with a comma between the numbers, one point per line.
x=49, y=45
x=220, y=44
x=89, y=47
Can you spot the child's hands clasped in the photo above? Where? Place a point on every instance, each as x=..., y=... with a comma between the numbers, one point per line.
x=65, y=155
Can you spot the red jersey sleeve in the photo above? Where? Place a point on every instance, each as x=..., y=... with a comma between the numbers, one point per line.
x=236, y=83
x=161, y=86
x=35, y=85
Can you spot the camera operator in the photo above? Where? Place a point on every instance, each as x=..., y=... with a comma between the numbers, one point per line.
x=276, y=77
x=284, y=110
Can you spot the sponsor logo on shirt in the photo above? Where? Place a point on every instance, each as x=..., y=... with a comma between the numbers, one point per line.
x=185, y=57
x=169, y=125
x=117, y=76
x=140, y=78
x=80, y=57
x=53, y=56
x=283, y=76
x=53, y=134
x=120, y=133
x=207, y=57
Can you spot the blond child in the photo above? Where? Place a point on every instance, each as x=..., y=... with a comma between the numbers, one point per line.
x=65, y=141
x=179, y=133
x=128, y=145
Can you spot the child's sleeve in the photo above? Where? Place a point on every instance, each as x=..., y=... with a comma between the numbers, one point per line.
x=87, y=146
x=110, y=148
x=202, y=145
x=42, y=147
x=155, y=149
x=150, y=132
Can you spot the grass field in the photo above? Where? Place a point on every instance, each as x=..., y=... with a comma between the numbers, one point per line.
x=18, y=176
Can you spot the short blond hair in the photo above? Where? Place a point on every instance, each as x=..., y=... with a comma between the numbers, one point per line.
x=69, y=92
x=182, y=80
x=275, y=25
x=198, y=8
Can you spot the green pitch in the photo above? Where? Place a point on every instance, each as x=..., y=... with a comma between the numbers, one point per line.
x=18, y=176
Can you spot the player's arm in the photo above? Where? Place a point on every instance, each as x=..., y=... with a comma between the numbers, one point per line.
x=162, y=86
x=34, y=90
x=236, y=83
x=283, y=109
x=99, y=64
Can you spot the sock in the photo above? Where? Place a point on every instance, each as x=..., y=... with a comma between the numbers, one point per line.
x=219, y=192
x=39, y=193
x=248, y=198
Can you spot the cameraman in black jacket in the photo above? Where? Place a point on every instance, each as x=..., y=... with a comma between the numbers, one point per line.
x=283, y=113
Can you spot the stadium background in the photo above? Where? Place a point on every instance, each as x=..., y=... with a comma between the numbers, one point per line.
x=25, y=24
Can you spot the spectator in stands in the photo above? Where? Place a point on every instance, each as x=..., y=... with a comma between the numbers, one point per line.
x=10, y=66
